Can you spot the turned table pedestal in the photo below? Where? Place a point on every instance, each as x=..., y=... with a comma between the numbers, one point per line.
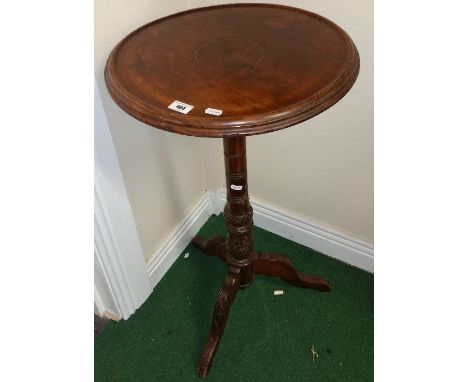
x=228, y=72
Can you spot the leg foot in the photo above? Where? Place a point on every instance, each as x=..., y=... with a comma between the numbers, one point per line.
x=216, y=246
x=270, y=264
x=223, y=305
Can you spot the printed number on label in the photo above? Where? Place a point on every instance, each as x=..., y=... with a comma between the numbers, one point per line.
x=181, y=107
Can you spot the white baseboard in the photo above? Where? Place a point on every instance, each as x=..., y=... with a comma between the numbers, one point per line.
x=167, y=253
x=325, y=240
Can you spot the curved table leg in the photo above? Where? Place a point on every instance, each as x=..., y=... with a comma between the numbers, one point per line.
x=216, y=246
x=223, y=304
x=271, y=264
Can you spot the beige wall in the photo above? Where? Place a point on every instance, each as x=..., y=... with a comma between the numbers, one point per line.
x=321, y=170
x=163, y=172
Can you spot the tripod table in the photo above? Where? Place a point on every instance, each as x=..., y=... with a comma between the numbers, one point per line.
x=231, y=71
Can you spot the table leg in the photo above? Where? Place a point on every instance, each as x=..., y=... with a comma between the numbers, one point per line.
x=216, y=246
x=274, y=265
x=237, y=250
x=223, y=305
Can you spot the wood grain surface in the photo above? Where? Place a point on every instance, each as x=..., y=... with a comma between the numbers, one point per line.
x=266, y=67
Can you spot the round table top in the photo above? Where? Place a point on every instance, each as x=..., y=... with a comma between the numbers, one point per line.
x=232, y=70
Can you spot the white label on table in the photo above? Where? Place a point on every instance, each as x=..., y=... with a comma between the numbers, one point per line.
x=234, y=187
x=278, y=292
x=216, y=112
x=181, y=107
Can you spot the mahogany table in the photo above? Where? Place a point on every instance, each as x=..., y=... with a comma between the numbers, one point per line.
x=227, y=72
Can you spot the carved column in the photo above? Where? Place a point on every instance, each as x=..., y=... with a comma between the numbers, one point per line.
x=238, y=211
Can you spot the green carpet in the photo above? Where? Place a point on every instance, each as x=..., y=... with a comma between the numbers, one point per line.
x=267, y=337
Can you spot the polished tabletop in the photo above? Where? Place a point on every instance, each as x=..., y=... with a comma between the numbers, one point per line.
x=232, y=70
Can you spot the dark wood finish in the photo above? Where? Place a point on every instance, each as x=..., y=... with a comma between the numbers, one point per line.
x=216, y=246
x=237, y=250
x=266, y=67
x=238, y=212
x=221, y=312
x=271, y=264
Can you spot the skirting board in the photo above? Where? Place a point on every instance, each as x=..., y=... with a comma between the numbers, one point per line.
x=167, y=253
x=329, y=242
x=325, y=240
